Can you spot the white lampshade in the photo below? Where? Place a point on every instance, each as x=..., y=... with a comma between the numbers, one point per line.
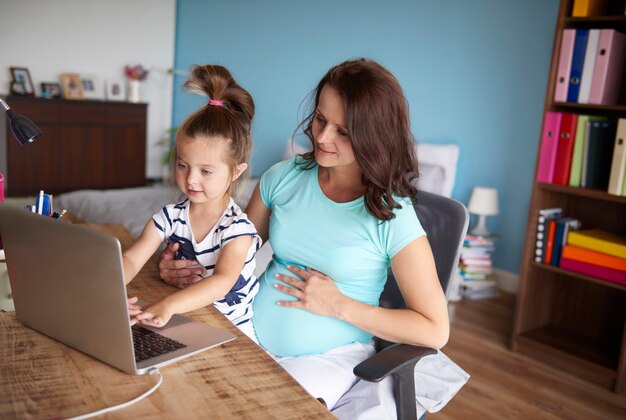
x=484, y=201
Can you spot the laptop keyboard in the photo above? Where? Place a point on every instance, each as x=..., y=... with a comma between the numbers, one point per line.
x=150, y=344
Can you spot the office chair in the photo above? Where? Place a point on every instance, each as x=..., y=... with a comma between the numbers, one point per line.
x=445, y=221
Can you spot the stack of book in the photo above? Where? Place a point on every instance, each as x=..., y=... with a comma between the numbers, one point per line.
x=553, y=231
x=583, y=151
x=475, y=267
x=597, y=253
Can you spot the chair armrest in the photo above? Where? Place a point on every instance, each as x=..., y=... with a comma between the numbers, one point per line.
x=393, y=360
x=398, y=361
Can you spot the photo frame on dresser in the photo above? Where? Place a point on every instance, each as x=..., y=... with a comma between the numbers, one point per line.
x=21, y=76
x=115, y=90
x=50, y=90
x=92, y=87
x=72, y=86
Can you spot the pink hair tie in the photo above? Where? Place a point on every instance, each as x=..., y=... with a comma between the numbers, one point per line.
x=215, y=102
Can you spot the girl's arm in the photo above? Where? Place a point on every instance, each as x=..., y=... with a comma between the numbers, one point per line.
x=226, y=272
x=140, y=252
x=424, y=322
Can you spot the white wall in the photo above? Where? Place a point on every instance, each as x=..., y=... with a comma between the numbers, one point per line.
x=97, y=37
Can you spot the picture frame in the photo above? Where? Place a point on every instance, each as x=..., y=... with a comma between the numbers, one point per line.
x=50, y=90
x=92, y=87
x=115, y=90
x=72, y=86
x=22, y=75
x=17, y=89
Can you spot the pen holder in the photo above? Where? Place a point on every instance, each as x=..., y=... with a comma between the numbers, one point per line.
x=6, y=298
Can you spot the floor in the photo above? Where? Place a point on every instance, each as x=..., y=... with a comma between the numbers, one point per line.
x=504, y=384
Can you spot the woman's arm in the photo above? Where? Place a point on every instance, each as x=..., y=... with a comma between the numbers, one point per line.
x=259, y=214
x=181, y=273
x=140, y=252
x=424, y=322
x=226, y=272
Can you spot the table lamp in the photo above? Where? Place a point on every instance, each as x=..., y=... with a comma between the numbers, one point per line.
x=24, y=130
x=483, y=203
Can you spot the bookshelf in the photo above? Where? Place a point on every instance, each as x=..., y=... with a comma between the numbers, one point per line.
x=568, y=320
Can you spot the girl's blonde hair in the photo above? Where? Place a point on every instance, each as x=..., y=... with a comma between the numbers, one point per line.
x=227, y=114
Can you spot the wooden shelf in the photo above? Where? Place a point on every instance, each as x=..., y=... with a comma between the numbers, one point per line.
x=584, y=357
x=599, y=109
x=569, y=320
x=582, y=192
x=579, y=276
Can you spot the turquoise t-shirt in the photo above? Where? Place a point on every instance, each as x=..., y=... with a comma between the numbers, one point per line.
x=341, y=240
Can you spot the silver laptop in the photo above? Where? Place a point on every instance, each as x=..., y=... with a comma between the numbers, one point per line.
x=68, y=284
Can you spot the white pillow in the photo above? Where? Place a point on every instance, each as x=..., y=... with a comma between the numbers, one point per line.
x=437, y=165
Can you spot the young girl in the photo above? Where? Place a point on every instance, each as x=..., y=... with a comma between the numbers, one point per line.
x=212, y=148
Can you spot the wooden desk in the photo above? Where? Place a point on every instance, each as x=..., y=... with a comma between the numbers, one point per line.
x=43, y=378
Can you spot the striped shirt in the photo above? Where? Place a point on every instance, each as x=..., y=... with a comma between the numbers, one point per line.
x=174, y=226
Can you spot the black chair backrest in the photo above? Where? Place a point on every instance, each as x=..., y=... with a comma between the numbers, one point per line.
x=445, y=221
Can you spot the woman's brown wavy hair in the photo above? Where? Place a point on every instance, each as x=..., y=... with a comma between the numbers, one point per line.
x=377, y=119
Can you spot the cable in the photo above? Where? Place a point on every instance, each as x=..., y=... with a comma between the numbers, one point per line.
x=127, y=403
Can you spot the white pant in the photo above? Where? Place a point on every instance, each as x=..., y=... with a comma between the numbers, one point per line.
x=329, y=375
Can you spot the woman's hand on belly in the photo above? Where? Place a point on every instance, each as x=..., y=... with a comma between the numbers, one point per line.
x=315, y=292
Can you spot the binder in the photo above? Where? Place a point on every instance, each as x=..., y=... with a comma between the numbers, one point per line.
x=593, y=257
x=599, y=240
x=618, y=165
x=608, y=274
x=578, y=59
x=596, y=160
x=565, y=63
x=565, y=145
x=582, y=133
x=549, y=143
x=587, y=8
x=609, y=68
x=588, y=66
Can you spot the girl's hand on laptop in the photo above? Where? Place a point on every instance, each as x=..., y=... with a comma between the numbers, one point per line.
x=178, y=273
x=156, y=315
x=133, y=309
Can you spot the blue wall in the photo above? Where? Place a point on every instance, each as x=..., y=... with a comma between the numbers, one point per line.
x=474, y=73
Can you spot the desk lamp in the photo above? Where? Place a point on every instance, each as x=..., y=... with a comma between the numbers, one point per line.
x=24, y=130
x=483, y=203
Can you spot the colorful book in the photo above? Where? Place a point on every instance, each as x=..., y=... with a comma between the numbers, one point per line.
x=593, y=257
x=549, y=241
x=578, y=59
x=549, y=143
x=624, y=185
x=587, y=8
x=588, y=66
x=565, y=64
x=618, y=164
x=582, y=133
x=608, y=71
x=600, y=241
x=565, y=146
x=597, y=155
x=608, y=274
x=545, y=215
x=563, y=226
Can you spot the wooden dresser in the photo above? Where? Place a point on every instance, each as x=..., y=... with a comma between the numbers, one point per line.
x=85, y=144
